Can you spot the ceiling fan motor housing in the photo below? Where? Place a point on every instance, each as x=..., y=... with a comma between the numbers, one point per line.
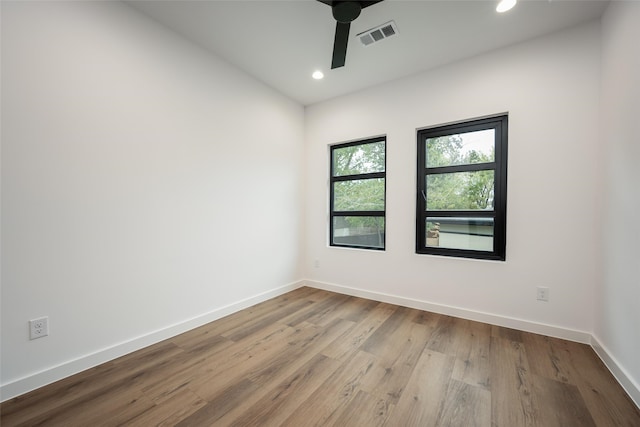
x=346, y=11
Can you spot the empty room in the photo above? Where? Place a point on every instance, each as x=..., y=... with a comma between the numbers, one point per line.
x=320, y=213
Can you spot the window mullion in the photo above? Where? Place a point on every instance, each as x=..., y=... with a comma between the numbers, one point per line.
x=356, y=177
x=358, y=213
x=460, y=168
x=465, y=214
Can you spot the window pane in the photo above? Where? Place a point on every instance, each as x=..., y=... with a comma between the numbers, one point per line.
x=474, y=234
x=357, y=159
x=460, y=191
x=461, y=149
x=366, y=231
x=359, y=195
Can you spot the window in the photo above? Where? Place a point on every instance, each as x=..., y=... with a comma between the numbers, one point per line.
x=462, y=189
x=357, y=211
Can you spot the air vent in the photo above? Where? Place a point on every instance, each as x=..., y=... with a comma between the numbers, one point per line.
x=378, y=33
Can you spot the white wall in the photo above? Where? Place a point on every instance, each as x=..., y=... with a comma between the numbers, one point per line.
x=136, y=169
x=550, y=88
x=617, y=326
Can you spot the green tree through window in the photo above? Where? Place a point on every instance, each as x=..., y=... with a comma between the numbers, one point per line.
x=461, y=200
x=358, y=194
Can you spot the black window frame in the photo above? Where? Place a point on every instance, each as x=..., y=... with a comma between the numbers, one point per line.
x=499, y=166
x=364, y=213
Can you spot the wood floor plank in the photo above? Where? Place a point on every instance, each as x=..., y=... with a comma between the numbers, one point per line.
x=512, y=398
x=506, y=333
x=324, y=405
x=123, y=374
x=203, y=342
x=232, y=321
x=205, y=375
x=359, y=308
x=424, y=394
x=313, y=309
x=313, y=294
x=347, y=344
x=283, y=399
x=395, y=366
x=604, y=397
x=277, y=370
x=332, y=310
x=377, y=343
x=256, y=323
x=158, y=385
x=427, y=318
x=233, y=366
x=465, y=406
x=22, y=408
x=219, y=404
x=560, y=404
x=314, y=357
x=278, y=360
x=351, y=308
x=473, y=364
x=299, y=351
x=119, y=402
x=549, y=357
x=170, y=411
x=449, y=334
x=364, y=410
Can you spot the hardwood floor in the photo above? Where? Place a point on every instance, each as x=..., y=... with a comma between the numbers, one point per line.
x=316, y=358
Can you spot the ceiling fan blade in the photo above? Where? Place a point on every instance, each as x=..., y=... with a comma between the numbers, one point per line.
x=368, y=3
x=363, y=3
x=340, y=44
x=344, y=12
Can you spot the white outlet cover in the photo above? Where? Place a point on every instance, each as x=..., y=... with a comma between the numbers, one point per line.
x=38, y=328
x=542, y=293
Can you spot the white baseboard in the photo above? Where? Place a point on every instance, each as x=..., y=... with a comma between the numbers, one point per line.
x=82, y=363
x=626, y=381
x=493, y=319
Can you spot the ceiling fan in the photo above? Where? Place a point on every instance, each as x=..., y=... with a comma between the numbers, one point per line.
x=344, y=13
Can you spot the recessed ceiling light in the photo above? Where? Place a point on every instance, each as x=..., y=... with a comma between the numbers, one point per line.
x=505, y=5
x=317, y=75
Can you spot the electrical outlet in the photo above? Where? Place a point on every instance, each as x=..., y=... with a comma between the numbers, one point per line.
x=316, y=263
x=38, y=328
x=543, y=293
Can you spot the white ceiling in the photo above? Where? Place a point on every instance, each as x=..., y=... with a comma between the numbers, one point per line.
x=282, y=42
